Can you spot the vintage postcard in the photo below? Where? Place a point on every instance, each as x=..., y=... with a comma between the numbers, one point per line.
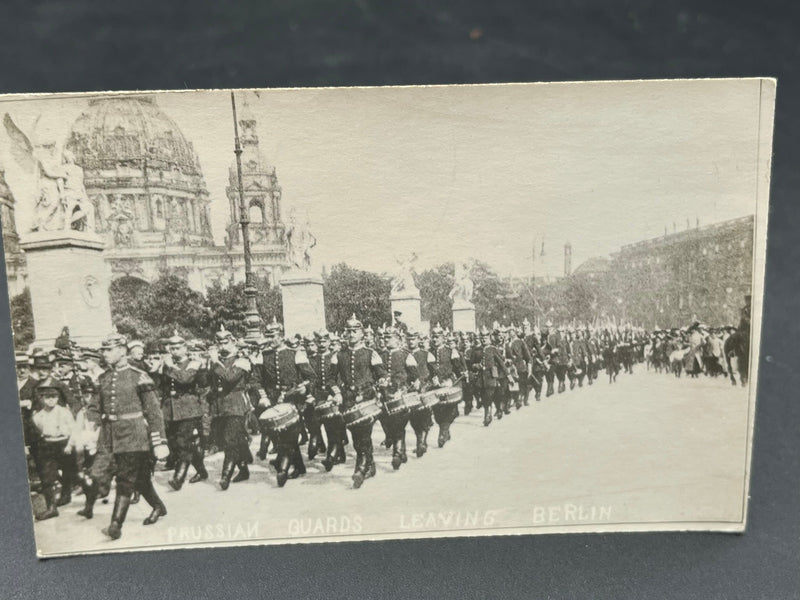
x=306, y=315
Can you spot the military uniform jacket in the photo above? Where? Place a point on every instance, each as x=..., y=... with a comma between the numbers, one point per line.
x=520, y=355
x=182, y=390
x=357, y=370
x=324, y=379
x=559, y=342
x=425, y=366
x=489, y=365
x=82, y=392
x=128, y=410
x=401, y=368
x=447, y=363
x=282, y=369
x=228, y=377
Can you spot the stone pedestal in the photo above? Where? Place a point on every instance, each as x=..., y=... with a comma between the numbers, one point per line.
x=408, y=304
x=68, y=279
x=464, y=317
x=303, y=303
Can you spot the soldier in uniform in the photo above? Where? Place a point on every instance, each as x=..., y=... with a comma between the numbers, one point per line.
x=136, y=354
x=548, y=357
x=447, y=366
x=228, y=376
x=487, y=366
x=132, y=429
x=358, y=370
x=506, y=377
x=560, y=356
x=536, y=368
x=285, y=376
x=401, y=377
x=184, y=406
x=466, y=348
x=421, y=418
x=520, y=356
x=319, y=358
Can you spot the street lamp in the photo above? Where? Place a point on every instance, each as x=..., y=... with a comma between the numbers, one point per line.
x=252, y=320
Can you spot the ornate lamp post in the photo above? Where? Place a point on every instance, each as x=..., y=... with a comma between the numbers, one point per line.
x=252, y=320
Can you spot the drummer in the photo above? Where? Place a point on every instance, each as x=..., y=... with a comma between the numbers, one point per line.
x=447, y=366
x=402, y=376
x=319, y=357
x=421, y=418
x=285, y=377
x=358, y=370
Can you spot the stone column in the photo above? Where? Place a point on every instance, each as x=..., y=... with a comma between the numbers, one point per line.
x=303, y=303
x=68, y=278
x=407, y=302
x=464, y=316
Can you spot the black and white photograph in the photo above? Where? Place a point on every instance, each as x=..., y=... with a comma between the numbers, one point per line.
x=299, y=315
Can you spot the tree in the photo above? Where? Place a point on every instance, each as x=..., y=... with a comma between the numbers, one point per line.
x=22, y=320
x=434, y=288
x=352, y=291
x=227, y=305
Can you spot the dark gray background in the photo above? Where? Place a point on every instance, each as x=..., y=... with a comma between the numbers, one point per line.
x=82, y=46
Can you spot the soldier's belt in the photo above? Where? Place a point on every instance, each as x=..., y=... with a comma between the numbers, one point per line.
x=123, y=417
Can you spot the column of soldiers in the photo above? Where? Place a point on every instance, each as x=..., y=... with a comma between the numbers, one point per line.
x=91, y=419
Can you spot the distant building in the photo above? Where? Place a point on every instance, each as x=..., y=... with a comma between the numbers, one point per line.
x=15, y=259
x=151, y=201
x=703, y=273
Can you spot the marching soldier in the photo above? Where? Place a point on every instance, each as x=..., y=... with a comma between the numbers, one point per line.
x=421, y=418
x=506, y=378
x=520, y=356
x=358, y=369
x=560, y=357
x=228, y=375
x=447, y=366
x=487, y=366
x=401, y=376
x=319, y=358
x=185, y=407
x=132, y=429
x=285, y=376
x=536, y=368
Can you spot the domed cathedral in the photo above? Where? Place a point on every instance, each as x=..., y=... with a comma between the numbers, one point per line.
x=16, y=274
x=151, y=201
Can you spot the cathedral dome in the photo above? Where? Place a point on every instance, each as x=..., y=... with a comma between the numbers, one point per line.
x=127, y=130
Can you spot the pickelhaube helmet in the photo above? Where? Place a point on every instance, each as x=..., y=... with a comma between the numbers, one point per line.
x=135, y=344
x=223, y=335
x=174, y=340
x=412, y=334
x=274, y=328
x=354, y=323
x=113, y=340
x=322, y=334
x=484, y=332
x=437, y=330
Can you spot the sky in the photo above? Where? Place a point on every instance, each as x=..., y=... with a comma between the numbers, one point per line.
x=453, y=172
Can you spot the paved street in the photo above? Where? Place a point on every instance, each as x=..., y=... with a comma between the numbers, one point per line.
x=650, y=448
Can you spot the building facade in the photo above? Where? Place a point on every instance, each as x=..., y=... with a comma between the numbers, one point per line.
x=151, y=202
x=14, y=257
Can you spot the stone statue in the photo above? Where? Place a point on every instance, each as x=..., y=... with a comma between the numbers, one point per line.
x=464, y=287
x=403, y=280
x=299, y=242
x=61, y=199
x=120, y=221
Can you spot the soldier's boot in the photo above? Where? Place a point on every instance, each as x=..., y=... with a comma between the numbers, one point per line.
x=299, y=467
x=135, y=498
x=243, y=474
x=419, y=451
x=114, y=529
x=507, y=404
x=176, y=483
x=339, y=455
x=263, y=447
x=201, y=474
x=327, y=462
x=369, y=464
x=321, y=447
x=425, y=440
x=387, y=441
x=403, y=454
x=313, y=446
x=227, y=473
x=487, y=414
x=283, y=468
x=158, y=508
x=572, y=383
x=442, y=434
x=359, y=471
x=51, y=511
x=467, y=408
x=396, y=458
x=90, y=496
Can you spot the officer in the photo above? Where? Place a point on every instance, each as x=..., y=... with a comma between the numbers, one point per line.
x=487, y=366
x=358, y=369
x=319, y=357
x=228, y=376
x=185, y=407
x=536, y=369
x=132, y=429
x=520, y=356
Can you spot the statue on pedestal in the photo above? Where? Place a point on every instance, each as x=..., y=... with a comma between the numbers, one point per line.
x=299, y=242
x=61, y=199
x=403, y=280
x=464, y=287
